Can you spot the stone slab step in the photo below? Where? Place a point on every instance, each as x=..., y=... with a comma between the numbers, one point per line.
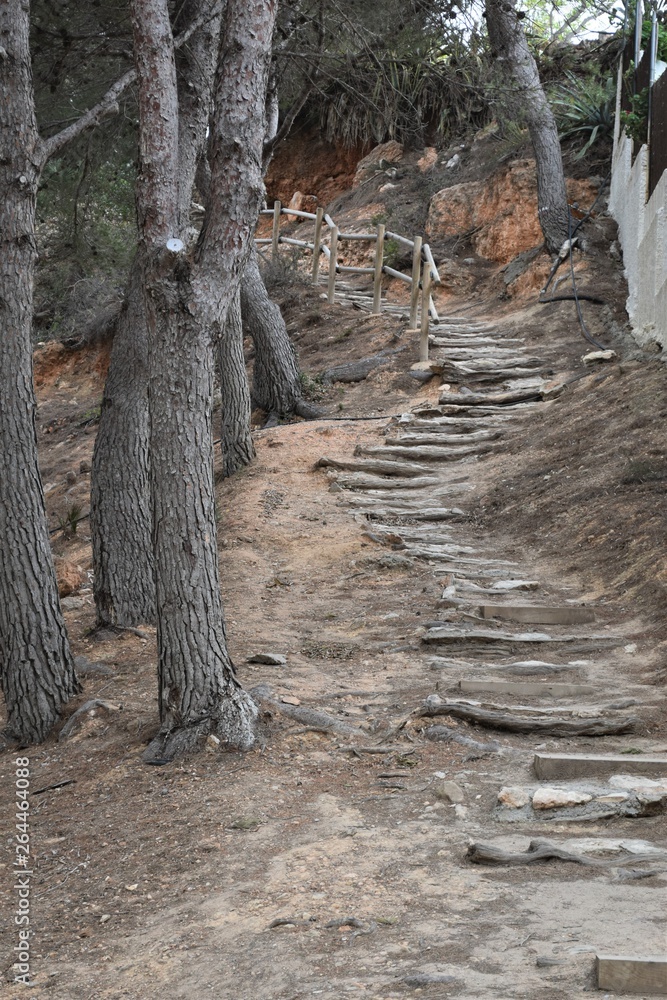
x=444, y=634
x=527, y=689
x=538, y=615
x=631, y=974
x=565, y=765
x=519, y=668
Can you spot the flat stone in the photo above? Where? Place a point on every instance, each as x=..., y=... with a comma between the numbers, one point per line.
x=565, y=765
x=449, y=791
x=535, y=689
x=604, y=845
x=515, y=585
x=593, y=356
x=86, y=668
x=640, y=786
x=559, y=798
x=513, y=797
x=72, y=603
x=536, y=615
x=612, y=797
x=271, y=659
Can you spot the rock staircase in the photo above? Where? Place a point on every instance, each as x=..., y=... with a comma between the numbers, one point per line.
x=512, y=652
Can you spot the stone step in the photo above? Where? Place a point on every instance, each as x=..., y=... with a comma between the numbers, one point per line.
x=518, y=668
x=528, y=689
x=632, y=974
x=564, y=765
x=445, y=634
x=537, y=615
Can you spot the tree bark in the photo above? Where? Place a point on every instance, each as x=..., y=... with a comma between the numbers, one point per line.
x=276, y=386
x=197, y=688
x=120, y=512
x=237, y=447
x=120, y=516
x=36, y=666
x=186, y=299
x=510, y=49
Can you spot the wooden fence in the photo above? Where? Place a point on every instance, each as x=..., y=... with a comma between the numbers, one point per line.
x=423, y=277
x=644, y=78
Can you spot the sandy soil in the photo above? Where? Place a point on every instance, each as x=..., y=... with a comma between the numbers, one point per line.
x=167, y=881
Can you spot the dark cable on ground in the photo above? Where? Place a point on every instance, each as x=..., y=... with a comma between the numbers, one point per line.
x=576, y=296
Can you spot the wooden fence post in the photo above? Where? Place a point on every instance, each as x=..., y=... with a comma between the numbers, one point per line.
x=377, y=277
x=426, y=298
x=416, y=274
x=316, y=244
x=332, y=264
x=276, y=229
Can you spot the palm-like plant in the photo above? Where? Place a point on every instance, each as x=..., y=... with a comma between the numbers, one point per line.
x=584, y=109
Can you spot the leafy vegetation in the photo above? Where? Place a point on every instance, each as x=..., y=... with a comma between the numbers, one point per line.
x=635, y=121
x=584, y=110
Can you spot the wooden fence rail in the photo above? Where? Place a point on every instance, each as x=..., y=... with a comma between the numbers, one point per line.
x=423, y=277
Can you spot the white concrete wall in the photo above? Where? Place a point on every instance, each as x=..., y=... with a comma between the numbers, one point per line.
x=642, y=228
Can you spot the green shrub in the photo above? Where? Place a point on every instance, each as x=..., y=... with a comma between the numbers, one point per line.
x=584, y=110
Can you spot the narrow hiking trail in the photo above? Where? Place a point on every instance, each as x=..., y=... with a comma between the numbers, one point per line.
x=442, y=698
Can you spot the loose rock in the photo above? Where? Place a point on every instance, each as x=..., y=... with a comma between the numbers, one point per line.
x=513, y=797
x=559, y=798
x=270, y=659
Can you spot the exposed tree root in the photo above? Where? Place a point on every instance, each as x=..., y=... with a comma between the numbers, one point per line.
x=75, y=720
x=307, y=716
x=500, y=719
x=546, y=850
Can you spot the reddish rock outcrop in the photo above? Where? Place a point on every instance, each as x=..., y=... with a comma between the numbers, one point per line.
x=499, y=213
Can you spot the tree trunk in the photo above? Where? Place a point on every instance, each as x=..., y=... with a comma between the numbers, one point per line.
x=185, y=300
x=195, y=73
x=511, y=51
x=276, y=386
x=35, y=661
x=237, y=447
x=198, y=691
x=120, y=514
x=120, y=511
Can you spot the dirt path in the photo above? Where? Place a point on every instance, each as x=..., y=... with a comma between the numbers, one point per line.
x=333, y=860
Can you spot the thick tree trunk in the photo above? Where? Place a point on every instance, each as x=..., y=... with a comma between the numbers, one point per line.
x=195, y=73
x=236, y=444
x=198, y=690
x=120, y=507
x=276, y=386
x=120, y=493
x=510, y=49
x=35, y=661
x=185, y=300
